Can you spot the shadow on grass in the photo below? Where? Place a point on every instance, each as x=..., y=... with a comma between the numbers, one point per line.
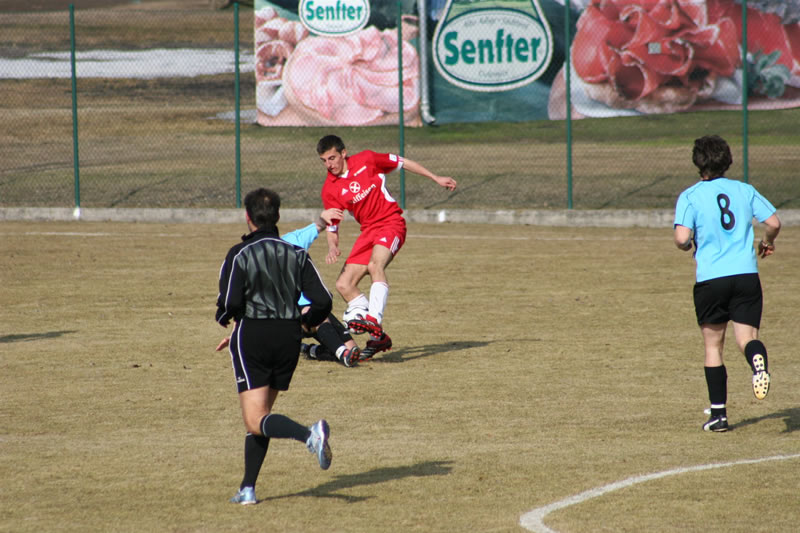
x=23, y=337
x=372, y=477
x=791, y=417
x=415, y=352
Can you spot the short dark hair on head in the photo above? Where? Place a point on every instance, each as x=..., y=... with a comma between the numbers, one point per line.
x=328, y=142
x=263, y=207
x=711, y=156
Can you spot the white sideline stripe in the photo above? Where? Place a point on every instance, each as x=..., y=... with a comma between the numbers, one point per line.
x=87, y=234
x=534, y=520
x=449, y=237
x=495, y=238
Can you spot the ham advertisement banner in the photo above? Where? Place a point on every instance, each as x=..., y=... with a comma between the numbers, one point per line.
x=335, y=62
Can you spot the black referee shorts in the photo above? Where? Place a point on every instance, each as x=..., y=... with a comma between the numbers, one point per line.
x=738, y=298
x=265, y=353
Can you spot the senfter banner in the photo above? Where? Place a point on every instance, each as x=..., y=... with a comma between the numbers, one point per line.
x=337, y=62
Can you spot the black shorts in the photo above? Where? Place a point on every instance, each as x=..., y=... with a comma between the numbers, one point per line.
x=738, y=298
x=265, y=353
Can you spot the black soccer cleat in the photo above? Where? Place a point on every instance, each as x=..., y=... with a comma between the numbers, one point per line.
x=381, y=344
x=717, y=423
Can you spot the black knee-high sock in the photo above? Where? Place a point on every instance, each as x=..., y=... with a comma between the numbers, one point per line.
x=283, y=427
x=341, y=330
x=717, y=381
x=255, y=449
x=753, y=348
x=326, y=334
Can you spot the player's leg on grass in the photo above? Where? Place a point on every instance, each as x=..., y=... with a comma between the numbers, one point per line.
x=379, y=290
x=379, y=259
x=260, y=420
x=347, y=286
x=262, y=425
x=716, y=376
x=254, y=403
x=332, y=335
x=756, y=354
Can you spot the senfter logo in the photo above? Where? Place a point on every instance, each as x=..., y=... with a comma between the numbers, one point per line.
x=334, y=17
x=492, y=48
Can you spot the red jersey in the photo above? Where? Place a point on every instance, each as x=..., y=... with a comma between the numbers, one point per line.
x=362, y=188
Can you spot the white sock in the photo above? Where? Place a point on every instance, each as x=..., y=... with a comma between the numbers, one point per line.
x=359, y=302
x=340, y=350
x=378, y=294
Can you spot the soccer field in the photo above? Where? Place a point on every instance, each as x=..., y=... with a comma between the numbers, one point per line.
x=530, y=365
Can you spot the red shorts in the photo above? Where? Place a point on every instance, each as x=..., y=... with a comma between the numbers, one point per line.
x=391, y=235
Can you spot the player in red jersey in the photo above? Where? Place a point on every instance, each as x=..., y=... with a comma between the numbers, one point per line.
x=357, y=183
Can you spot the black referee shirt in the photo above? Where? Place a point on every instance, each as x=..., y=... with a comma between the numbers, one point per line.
x=262, y=278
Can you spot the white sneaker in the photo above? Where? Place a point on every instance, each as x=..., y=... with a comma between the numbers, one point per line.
x=245, y=496
x=318, y=443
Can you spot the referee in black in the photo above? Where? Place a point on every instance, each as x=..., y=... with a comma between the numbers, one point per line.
x=259, y=284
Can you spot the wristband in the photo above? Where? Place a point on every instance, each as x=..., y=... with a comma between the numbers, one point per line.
x=765, y=244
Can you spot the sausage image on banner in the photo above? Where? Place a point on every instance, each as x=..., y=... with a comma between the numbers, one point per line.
x=352, y=80
x=316, y=80
x=663, y=56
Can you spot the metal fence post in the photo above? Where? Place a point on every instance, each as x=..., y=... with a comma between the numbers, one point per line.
x=75, y=160
x=745, y=89
x=567, y=82
x=401, y=118
x=237, y=106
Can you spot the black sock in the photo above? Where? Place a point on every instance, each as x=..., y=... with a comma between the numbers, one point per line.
x=255, y=449
x=326, y=334
x=341, y=330
x=283, y=427
x=753, y=348
x=717, y=381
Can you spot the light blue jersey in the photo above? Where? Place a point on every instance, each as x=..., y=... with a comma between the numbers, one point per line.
x=303, y=238
x=720, y=212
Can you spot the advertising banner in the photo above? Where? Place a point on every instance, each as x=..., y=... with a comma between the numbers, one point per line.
x=337, y=62
x=495, y=60
x=666, y=56
x=334, y=62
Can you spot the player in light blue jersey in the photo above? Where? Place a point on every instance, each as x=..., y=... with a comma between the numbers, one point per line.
x=716, y=214
x=336, y=343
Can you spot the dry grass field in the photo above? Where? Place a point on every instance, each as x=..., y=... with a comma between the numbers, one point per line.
x=531, y=364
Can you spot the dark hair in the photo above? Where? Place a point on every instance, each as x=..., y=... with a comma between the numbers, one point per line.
x=263, y=207
x=328, y=142
x=711, y=156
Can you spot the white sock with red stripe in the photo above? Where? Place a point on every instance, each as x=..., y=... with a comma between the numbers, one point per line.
x=378, y=294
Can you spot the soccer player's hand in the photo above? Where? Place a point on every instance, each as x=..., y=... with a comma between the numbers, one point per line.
x=333, y=255
x=446, y=182
x=332, y=216
x=765, y=249
x=223, y=344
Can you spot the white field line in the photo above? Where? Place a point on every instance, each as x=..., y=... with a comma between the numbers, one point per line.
x=439, y=237
x=666, y=238
x=534, y=520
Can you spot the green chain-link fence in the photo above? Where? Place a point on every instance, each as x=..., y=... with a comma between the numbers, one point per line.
x=156, y=101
